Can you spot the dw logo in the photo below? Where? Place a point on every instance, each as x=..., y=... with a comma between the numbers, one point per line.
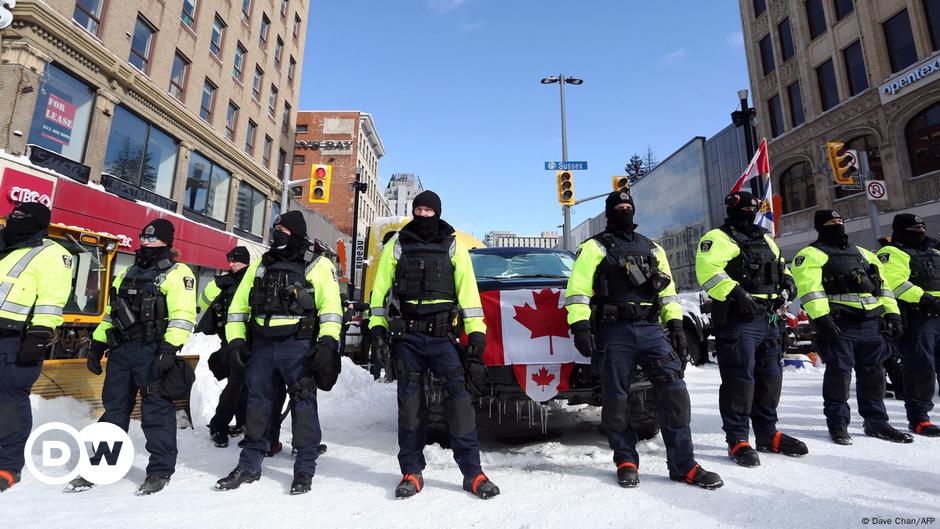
x=104, y=453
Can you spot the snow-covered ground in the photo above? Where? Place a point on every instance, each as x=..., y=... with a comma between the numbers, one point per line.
x=561, y=480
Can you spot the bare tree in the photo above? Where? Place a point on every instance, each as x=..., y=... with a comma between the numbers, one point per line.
x=650, y=161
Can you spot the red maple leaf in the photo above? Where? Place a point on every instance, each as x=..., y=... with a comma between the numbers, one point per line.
x=546, y=319
x=543, y=377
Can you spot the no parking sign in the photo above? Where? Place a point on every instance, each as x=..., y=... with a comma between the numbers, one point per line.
x=876, y=190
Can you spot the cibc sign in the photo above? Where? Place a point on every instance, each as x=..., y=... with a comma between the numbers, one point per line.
x=18, y=187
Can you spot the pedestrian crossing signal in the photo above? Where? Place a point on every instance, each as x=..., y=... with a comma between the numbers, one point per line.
x=621, y=183
x=565, y=188
x=320, y=177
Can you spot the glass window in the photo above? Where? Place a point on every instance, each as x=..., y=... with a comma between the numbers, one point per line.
x=816, y=18
x=843, y=8
x=256, y=83
x=300, y=159
x=88, y=14
x=231, y=120
x=281, y=160
x=140, y=153
x=238, y=70
x=900, y=41
x=923, y=141
x=776, y=115
x=250, y=137
x=301, y=128
x=265, y=27
x=272, y=100
x=278, y=50
x=291, y=68
x=62, y=114
x=208, y=100
x=249, y=209
x=189, y=12
x=797, y=188
x=283, y=8
x=797, y=115
x=89, y=275
x=207, y=187
x=140, y=45
x=246, y=10
x=767, y=55
x=215, y=41
x=828, y=91
x=786, y=40
x=855, y=68
x=296, y=29
x=932, y=10
x=178, y=76
x=759, y=7
x=285, y=119
x=266, y=151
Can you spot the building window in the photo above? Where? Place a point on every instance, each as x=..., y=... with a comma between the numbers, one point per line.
x=284, y=8
x=797, y=188
x=900, y=41
x=828, y=91
x=256, y=83
x=786, y=40
x=62, y=114
x=266, y=150
x=207, y=187
x=178, y=76
x=759, y=7
x=868, y=145
x=285, y=120
x=296, y=29
x=265, y=27
x=88, y=14
x=843, y=8
x=767, y=55
x=775, y=110
x=923, y=141
x=231, y=120
x=272, y=101
x=932, y=10
x=189, y=12
x=291, y=68
x=797, y=116
x=816, y=18
x=281, y=160
x=278, y=51
x=249, y=209
x=250, y=137
x=238, y=70
x=141, y=45
x=246, y=10
x=215, y=41
x=208, y=100
x=855, y=68
x=140, y=153
x=300, y=159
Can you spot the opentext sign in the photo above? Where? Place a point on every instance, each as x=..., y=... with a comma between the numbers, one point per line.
x=909, y=78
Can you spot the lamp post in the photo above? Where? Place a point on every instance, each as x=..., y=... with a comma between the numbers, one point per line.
x=743, y=118
x=566, y=210
x=357, y=187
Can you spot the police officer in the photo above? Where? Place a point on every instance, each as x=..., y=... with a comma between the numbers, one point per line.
x=740, y=267
x=38, y=276
x=619, y=289
x=423, y=284
x=214, y=302
x=840, y=287
x=150, y=317
x=293, y=309
x=912, y=270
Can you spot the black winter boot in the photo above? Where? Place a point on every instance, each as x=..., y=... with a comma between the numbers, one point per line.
x=781, y=443
x=742, y=454
x=236, y=478
x=219, y=439
x=925, y=428
x=481, y=486
x=699, y=476
x=8, y=478
x=627, y=475
x=152, y=485
x=301, y=484
x=840, y=436
x=409, y=485
x=888, y=433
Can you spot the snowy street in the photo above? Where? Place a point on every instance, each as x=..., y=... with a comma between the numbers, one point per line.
x=562, y=480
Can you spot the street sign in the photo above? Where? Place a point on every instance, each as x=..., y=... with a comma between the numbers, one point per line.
x=876, y=190
x=566, y=166
x=360, y=253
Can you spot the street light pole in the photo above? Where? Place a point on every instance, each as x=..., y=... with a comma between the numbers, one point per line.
x=358, y=187
x=743, y=118
x=565, y=209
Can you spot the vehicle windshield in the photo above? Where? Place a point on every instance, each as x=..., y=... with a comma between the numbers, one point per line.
x=522, y=265
x=88, y=276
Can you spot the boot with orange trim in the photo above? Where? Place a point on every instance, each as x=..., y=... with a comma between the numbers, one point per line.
x=409, y=485
x=8, y=479
x=627, y=475
x=481, y=486
x=743, y=454
x=781, y=443
x=925, y=428
x=699, y=476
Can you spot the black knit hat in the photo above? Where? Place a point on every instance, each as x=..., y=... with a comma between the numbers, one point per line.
x=903, y=221
x=162, y=228
x=615, y=198
x=428, y=199
x=823, y=216
x=238, y=254
x=740, y=200
x=40, y=213
x=293, y=221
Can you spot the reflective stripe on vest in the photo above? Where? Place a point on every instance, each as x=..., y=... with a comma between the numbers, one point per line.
x=853, y=298
x=472, y=313
x=236, y=317
x=806, y=298
x=903, y=287
x=180, y=324
x=713, y=282
x=48, y=309
x=331, y=318
x=578, y=300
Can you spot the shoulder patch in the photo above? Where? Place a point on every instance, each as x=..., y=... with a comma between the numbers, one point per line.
x=799, y=260
x=189, y=283
x=67, y=261
x=884, y=257
x=706, y=245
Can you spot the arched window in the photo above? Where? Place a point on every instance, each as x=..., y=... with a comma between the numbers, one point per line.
x=923, y=141
x=868, y=144
x=797, y=188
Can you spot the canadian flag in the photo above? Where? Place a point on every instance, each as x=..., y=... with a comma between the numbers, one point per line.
x=760, y=165
x=541, y=382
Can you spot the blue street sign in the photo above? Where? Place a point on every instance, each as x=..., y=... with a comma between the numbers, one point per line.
x=566, y=166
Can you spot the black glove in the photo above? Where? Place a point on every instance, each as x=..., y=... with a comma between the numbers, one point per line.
x=476, y=343
x=34, y=346
x=789, y=287
x=165, y=360
x=826, y=327
x=475, y=371
x=746, y=306
x=583, y=338
x=930, y=303
x=326, y=363
x=677, y=338
x=891, y=327
x=95, y=353
x=238, y=353
x=381, y=353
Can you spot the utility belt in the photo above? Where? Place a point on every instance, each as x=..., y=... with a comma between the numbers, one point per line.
x=911, y=311
x=723, y=310
x=306, y=328
x=437, y=325
x=611, y=313
x=10, y=327
x=850, y=314
x=145, y=331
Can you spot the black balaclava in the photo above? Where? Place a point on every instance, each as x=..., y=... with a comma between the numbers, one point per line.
x=909, y=230
x=28, y=221
x=742, y=208
x=290, y=246
x=164, y=231
x=426, y=227
x=619, y=219
x=834, y=234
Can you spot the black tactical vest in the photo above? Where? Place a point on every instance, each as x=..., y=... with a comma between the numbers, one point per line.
x=925, y=267
x=213, y=321
x=627, y=271
x=756, y=268
x=848, y=271
x=425, y=270
x=138, y=307
x=281, y=290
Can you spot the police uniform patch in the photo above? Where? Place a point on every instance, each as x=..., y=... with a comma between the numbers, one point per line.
x=799, y=260
x=706, y=245
x=67, y=261
x=149, y=230
x=189, y=283
x=883, y=257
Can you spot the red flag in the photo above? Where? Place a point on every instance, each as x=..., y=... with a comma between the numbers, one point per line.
x=760, y=165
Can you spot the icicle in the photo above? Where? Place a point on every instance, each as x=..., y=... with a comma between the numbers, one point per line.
x=531, y=413
x=518, y=411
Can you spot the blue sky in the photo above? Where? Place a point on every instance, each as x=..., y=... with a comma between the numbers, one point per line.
x=454, y=89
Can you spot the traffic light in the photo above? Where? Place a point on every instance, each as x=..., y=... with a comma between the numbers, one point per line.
x=842, y=163
x=621, y=183
x=320, y=177
x=565, y=188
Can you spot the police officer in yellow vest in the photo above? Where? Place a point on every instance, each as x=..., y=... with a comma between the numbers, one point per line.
x=149, y=319
x=293, y=309
x=36, y=276
x=912, y=271
x=740, y=267
x=840, y=287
